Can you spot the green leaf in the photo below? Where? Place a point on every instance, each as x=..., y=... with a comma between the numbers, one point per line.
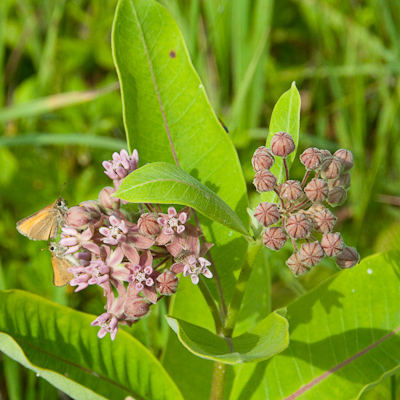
x=166, y=112
x=268, y=338
x=59, y=344
x=344, y=338
x=168, y=184
x=285, y=117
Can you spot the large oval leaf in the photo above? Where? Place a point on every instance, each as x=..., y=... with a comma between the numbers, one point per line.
x=285, y=117
x=344, y=338
x=167, y=114
x=59, y=344
x=166, y=183
x=266, y=339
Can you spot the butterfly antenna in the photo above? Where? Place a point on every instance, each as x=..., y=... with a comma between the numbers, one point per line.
x=63, y=186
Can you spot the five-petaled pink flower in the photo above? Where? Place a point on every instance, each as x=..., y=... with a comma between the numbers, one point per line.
x=189, y=255
x=142, y=277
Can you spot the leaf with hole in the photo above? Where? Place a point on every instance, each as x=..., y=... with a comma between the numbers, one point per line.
x=168, y=118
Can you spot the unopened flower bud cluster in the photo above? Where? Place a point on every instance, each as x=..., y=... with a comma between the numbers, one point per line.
x=134, y=259
x=302, y=209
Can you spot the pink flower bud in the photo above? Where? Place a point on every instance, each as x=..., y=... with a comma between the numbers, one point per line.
x=333, y=244
x=296, y=265
x=298, y=226
x=107, y=200
x=311, y=158
x=93, y=208
x=148, y=224
x=324, y=221
x=274, y=238
x=291, y=190
x=262, y=159
x=78, y=217
x=311, y=253
x=136, y=307
x=325, y=154
x=264, y=181
x=267, y=214
x=331, y=168
x=316, y=190
x=346, y=158
x=344, y=181
x=348, y=258
x=282, y=144
x=167, y=283
x=337, y=196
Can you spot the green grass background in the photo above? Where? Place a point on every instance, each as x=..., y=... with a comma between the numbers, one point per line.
x=61, y=115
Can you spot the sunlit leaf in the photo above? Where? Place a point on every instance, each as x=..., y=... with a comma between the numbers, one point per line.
x=344, y=338
x=169, y=118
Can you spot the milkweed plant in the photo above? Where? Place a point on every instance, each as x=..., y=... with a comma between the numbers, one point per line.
x=174, y=225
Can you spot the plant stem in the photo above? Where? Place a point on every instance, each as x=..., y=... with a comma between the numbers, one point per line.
x=303, y=182
x=219, y=374
x=393, y=386
x=240, y=288
x=218, y=382
x=214, y=271
x=212, y=305
x=286, y=169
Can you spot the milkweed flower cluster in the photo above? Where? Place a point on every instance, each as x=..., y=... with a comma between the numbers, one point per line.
x=134, y=257
x=302, y=212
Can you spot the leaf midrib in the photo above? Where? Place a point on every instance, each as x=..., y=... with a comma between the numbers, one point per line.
x=153, y=77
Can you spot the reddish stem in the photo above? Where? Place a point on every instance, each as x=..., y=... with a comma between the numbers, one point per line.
x=303, y=182
x=286, y=169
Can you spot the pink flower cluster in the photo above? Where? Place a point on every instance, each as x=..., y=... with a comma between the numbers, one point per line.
x=134, y=259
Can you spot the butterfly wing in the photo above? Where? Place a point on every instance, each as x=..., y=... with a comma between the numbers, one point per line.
x=43, y=225
x=60, y=274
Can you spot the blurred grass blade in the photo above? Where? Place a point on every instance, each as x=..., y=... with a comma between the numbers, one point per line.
x=63, y=139
x=54, y=102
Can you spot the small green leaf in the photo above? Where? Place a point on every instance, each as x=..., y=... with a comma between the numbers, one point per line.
x=344, y=338
x=59, y=344
x=168, y=184
x=285, y=117
x=265, y=340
